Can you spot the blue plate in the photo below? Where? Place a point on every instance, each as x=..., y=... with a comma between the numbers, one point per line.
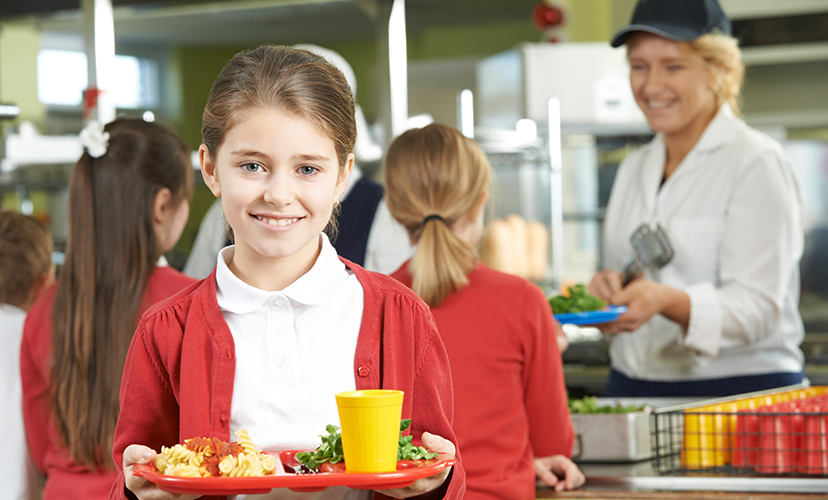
x=605, y=315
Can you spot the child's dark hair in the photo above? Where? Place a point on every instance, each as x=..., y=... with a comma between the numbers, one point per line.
x=111, y=251
x=294, y=81
x=25, y=255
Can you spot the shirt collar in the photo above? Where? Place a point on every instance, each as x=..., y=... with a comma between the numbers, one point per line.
x=720, y=131
x=236, y=296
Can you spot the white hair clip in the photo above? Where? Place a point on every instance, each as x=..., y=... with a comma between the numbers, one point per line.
x=94, y=139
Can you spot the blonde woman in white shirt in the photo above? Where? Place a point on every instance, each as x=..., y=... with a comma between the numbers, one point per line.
x=722, y=316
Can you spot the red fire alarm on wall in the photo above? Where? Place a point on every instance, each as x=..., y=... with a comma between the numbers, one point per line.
x=549, y=17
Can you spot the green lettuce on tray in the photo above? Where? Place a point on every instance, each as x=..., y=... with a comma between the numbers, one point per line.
x=578, y=300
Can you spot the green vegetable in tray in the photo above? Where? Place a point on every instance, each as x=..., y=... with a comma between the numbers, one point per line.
x=331, y=448
x=407, y=451
x=577, y=300
x=329, y=451
x=589, y=404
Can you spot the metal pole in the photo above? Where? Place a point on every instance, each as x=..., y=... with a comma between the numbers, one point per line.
x=465, y=113
x=556, y=191
x=99, y=31
x=392, y=54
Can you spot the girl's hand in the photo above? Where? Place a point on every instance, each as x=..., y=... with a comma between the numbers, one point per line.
x=560, y=336
x=559, y=472
x=605, y=284
x=644, y=299
x=143, y=489
x=435, y=444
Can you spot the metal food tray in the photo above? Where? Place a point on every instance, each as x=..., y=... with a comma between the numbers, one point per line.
x=618, y=437
x=611, y=437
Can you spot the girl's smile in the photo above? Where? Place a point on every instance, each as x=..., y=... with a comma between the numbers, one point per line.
x=278, y=176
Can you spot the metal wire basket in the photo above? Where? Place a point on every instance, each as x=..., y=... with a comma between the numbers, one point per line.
x=782, y=433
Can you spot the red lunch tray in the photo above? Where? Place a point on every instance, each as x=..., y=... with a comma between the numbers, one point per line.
x=407, y=472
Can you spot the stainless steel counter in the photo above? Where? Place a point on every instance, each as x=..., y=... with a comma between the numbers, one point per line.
x=640, y=476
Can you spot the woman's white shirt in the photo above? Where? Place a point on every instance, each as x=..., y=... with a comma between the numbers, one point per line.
x=294, y=350
x=733, y=213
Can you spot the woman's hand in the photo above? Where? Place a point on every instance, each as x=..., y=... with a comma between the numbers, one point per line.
x=644, y=299
x=143, y=489
x=436, y=444
x=559, y=472
x=605, y=284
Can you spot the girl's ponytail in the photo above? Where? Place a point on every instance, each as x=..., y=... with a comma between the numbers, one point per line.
x=434, y=177
x=440, y=263
x=111, y=252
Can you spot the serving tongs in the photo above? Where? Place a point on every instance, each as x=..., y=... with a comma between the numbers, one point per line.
x=652, y=251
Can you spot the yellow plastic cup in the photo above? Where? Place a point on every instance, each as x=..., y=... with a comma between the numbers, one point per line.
x=370, y=422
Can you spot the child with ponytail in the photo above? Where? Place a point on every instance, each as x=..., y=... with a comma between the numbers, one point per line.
x=128, y=204
x=511, y=415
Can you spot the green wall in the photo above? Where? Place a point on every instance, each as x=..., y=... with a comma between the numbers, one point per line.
x=19, y=46
x=198, y=68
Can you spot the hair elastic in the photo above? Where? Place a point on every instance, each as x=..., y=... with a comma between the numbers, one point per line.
x=94, y=139
x=433, y=216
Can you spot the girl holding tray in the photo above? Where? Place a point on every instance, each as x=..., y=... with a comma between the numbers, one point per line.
x=283, y=323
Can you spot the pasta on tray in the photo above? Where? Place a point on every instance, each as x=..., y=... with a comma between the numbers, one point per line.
x=212, y=457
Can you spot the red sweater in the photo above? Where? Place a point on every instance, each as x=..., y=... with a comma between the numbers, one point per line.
x=509, y=390
x=179, y=374
x=64, y=478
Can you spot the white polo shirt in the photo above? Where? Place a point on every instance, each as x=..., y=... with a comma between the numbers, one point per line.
x=294, y=350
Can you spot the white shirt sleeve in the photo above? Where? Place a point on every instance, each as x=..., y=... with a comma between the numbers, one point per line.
x=388, y=243
x=761, y=244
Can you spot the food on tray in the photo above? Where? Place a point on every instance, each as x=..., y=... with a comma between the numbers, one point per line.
x=575, y=299
x=331, y=449
x=212, y=457
x=590, y=404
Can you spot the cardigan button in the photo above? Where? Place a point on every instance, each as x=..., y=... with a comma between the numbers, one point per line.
x=229, y=355
x=364, y=371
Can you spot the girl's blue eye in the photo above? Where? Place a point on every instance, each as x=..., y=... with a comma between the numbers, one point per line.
x=251, y=167
x=307, y=170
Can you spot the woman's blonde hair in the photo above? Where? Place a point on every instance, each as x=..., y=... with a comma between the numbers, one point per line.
x=436, y=170
x=723, y=57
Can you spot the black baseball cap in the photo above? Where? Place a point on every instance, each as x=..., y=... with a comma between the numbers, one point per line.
x=678, y=20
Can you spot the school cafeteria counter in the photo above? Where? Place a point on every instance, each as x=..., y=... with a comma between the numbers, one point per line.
x=638, y=481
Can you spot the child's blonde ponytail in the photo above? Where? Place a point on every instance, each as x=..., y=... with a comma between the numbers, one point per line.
x=434, y=177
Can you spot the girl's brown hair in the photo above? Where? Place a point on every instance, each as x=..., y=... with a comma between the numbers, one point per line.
x=436, y=170
x=25, y=256
x=291, y=80
x=111, y=251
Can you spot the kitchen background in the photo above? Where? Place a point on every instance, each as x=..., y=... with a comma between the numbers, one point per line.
x=169, y=52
